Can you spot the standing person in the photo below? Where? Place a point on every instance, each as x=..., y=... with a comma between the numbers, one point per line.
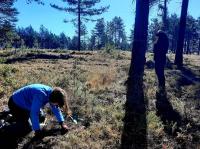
x=160, y=50
x=27, y=102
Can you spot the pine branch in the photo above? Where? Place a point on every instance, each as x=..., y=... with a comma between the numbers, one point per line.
x=67, y=21
x=89, y=3
x=69, y=9
x=71, y=2
x=94, y=11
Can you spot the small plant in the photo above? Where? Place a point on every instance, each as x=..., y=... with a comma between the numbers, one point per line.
x=154, y=123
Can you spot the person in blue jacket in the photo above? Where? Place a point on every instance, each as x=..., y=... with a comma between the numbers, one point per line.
x=27, y=102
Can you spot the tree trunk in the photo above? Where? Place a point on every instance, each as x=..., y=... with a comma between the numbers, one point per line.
x=185, y=47
x=164, y=18
x=135, y=126
x=188, y=47
x=79, y=25
x=181, y=34
x=199, y=47
x=172, y=45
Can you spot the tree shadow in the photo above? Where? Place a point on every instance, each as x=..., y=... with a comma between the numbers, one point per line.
x=134, y=134
x=30, y=56
x=11, y=134
x=189, y=75
x=170, y=117
x=150, y=64
x=36, y=141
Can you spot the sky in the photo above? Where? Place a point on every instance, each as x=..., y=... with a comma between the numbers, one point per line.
x=36, y=15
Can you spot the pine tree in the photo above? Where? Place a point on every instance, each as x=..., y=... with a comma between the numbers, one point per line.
x=116, y=33
x=135, y=133
x=82, y=9
x=100, y=34
x=64, y=41
x=163, y=7
x=7, y=12
x=8, y=17
x=92, y=43
x=181, y=34
x=7, y=35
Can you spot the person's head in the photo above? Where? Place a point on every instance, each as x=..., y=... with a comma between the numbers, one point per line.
x=161, y=34
x=59, y=97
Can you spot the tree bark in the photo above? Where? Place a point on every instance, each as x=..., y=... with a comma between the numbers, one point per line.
x=164, y=18
x=199, y=47
x=181, y=34
x=188, y=47
x=135, y=126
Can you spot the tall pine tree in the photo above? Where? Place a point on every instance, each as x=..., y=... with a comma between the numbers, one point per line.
x=181, y=34
x=135, y=133
x=8, y=17
x=82, y=9
x=100, y=34
x=7, y=12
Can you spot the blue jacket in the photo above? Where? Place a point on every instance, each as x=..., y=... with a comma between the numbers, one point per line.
x=32, y=98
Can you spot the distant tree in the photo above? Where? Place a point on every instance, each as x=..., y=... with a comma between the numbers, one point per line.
x=116, y=33
x=73, y=43
x=191, y=35
x=163, y=7
x=198, y=21
x=64, y=41
x=83, y=33
x=92, y=43
x=8, y=17
x=82, y=9
x=153, y=29
x=110, y=33
x=43, y=37
x=173, y=31
x=30, y=37
x=8, y=36
x=181, y=34
x=7, y=12
x=100, y=33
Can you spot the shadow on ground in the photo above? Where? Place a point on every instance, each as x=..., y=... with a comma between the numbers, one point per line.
x=39, y=143
x=170, y=117
x=11, y=135
x=30, y=56
x=134, y=135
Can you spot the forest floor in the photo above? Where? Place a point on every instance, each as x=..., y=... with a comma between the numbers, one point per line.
x=95, y=83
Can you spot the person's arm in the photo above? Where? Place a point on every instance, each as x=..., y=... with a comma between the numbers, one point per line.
x=34, y=113
x=60, y=118
x=56, y=111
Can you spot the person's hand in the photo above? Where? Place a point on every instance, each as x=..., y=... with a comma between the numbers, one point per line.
x=39, y=134
x=64, y=128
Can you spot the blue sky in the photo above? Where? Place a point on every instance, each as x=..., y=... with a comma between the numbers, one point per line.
x=36, y=15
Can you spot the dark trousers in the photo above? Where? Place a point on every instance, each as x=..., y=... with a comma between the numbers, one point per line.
x=159, y=69
x=22, y=115
x=19, y=114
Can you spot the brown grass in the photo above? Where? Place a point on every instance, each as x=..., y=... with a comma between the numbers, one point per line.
x=96, y=84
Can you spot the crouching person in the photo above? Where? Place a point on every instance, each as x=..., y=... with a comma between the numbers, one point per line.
x=27, y=102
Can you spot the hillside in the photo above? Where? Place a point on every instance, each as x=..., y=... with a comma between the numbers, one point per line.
x=95, y=82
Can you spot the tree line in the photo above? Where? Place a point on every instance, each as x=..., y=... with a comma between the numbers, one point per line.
x=104, y=33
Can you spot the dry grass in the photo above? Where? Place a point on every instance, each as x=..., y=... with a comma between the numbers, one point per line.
x=101, y=78
x=95, y=83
